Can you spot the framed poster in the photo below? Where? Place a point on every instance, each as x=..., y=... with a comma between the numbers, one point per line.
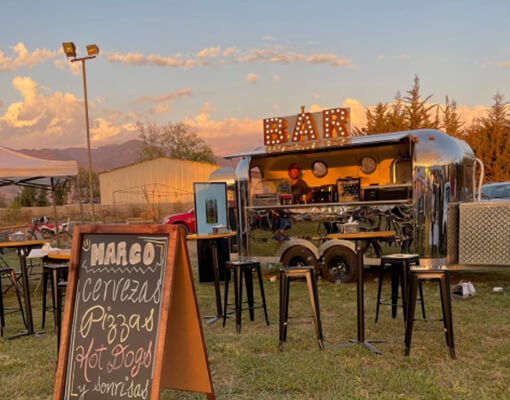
x=210, y=206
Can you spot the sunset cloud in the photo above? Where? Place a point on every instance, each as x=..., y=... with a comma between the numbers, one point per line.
x=229, y=51
x=270, y=55
x=23, y=58
x=331, y=59
x=153, y=59
x=276, y=78
x=66, y=65
x=316, y=95
x=209, y=52
x=252, y=78
x=164, y=97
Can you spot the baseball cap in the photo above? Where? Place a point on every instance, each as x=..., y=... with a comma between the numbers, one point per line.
x=293, y=166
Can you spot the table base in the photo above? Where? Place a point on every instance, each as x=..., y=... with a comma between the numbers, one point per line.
x=27, y=333
x=366, y=344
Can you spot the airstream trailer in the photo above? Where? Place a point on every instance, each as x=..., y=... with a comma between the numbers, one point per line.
x=401, y=181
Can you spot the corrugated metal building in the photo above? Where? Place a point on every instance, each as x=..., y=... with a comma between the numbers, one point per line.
x=162, y=180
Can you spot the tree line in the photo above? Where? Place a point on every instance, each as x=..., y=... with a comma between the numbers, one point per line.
x=488, y=135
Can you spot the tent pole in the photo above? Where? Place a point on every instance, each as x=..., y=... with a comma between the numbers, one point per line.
x=55, y=212
x=79, y=195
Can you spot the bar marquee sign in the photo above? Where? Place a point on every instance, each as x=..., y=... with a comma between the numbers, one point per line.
x=308, y=127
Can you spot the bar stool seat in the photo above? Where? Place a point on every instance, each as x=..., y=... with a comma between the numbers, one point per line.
x=298, y=273
x=245, y=268
x=9, y=273
x=442, y=277
x=54, y=272
x=399, y=266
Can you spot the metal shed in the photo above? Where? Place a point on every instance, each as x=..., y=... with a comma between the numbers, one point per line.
x=162, y=180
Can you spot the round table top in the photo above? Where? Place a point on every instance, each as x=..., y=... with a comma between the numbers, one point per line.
x=362, y=235
x=24, y=243
x=195, y=236
x=64, y=254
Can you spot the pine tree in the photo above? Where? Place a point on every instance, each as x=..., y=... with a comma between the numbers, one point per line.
x=417, y=111
x=451, y=122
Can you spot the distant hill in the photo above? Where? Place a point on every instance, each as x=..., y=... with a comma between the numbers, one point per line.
x=103, y=158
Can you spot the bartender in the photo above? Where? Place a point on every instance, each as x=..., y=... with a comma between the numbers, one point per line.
x=299, y=186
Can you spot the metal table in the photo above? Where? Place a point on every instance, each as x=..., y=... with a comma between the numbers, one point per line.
x=216, y=270
x=363, y=241
x=23, y=248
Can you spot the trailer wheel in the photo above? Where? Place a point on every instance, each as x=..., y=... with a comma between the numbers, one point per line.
x=298, y=256
x=339, y=265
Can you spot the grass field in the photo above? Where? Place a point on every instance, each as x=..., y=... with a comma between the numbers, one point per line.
x=248, y=366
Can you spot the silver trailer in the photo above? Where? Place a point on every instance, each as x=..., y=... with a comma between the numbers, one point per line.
x=402, y=181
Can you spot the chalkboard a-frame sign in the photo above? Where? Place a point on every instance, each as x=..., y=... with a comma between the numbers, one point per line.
x=131, y=323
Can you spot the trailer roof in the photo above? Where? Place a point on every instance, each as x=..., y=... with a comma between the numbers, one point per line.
x=325, y=145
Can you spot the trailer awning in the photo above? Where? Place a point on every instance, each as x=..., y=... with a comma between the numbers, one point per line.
x=327, y=145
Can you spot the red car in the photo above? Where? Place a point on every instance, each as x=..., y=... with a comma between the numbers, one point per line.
x=186, y=220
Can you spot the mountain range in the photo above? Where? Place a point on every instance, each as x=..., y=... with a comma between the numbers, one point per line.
x=104, y=158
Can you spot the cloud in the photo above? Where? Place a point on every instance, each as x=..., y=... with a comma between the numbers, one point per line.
x=207, y=107
x=54, y=119
x=101, y=100
x=159, y=109
x=270, y=38
x=66, y=65
x=331, y=59
x=276, y=78
x=252, y=78
x=276, y=107
x=270, y=56
x=316, y=95
x=358, y=112
x=506, y=64
x=228, y=136
x=152, y=59
x=179, y=94
x=229, y=51
x=1, y=103
x=381, y=57
x=209, y=52
x=23, y=58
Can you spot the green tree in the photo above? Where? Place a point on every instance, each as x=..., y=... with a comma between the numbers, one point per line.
x=27, y=197
x=417, y=109
x=174, y=141
x=83, y=182
x=489, y=137
x=41, y=198
x=451, y=122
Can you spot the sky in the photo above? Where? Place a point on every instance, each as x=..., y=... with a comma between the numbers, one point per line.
x=223, y=66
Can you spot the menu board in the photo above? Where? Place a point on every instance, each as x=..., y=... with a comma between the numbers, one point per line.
x=115, y=322
x=131, y=323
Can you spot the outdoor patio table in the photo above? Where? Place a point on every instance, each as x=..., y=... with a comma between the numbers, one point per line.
x=363, y=241
x=216, y=270
x=60, y=255
x=23, y=248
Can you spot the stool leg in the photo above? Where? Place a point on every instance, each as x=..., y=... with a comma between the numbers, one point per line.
x=54, y=282
x=447, y=312
x=286, y=307
x=410, y=313
x=379, y=288
x=238, y=297
x=248, y=281
x=262, y=295
x=44, y=293
x=422, y=300
x=282, y=315
x=18, y=296
x=395, y=273
x=58, y=320
x=225, y=298
x=404, y=274
x=314, y=300
x=2, y=315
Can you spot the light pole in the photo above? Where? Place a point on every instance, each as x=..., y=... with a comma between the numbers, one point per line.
x=92, y=51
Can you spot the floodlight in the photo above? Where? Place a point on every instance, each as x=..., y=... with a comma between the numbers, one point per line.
x=69, y=49
x=92, y=50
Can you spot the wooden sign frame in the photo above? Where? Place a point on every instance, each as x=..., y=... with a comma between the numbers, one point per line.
x=180, y=359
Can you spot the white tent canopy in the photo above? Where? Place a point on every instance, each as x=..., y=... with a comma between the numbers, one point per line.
x=23, y=170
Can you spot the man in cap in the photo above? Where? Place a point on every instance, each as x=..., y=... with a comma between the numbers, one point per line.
x=299, y=186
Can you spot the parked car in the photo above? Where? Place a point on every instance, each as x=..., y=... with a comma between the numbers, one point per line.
x=186, y=220
x=498, y=191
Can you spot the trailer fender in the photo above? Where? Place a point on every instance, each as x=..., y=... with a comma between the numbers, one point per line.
x=336, y=242
x=297, y=252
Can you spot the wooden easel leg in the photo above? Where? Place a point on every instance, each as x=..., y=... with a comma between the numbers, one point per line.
x=211, y=396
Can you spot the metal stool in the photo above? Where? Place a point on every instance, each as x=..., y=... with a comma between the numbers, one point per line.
x=55, y=273
x=245, y=268
x=440, y=275
x=399, y=265
x=292, y=273
x=11, y=275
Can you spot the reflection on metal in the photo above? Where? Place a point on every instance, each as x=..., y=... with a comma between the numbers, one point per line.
x=242, y=181
x=393, y=167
